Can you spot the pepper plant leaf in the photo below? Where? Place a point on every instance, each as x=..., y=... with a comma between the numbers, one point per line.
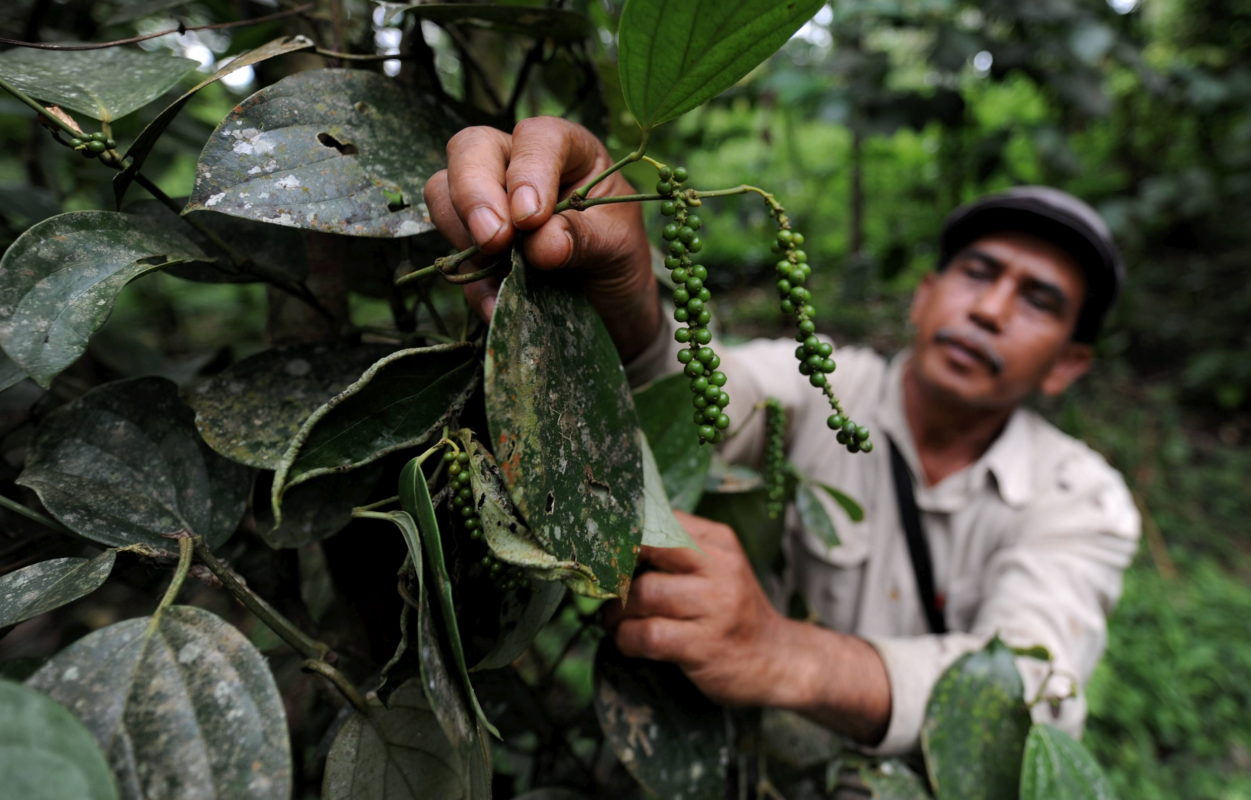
x=893, y=780
x=182, y=704
x=556, y=24
x=105, y=84
x=563, y=427
x=674, y=56
x=1057, y=765
x=660, y=527
x=815, y=518
x=45, y=752
x=38, y=588
x=141, y=148
x=976, y=723
x=10, y=373
x=59, y=279
x=666, y=734
x=251, y=411
x=398, y=402
x=334, y=150
x=682, y=460
x=123, y=465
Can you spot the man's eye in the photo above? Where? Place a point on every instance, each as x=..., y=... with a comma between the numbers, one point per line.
x=1043, y=301
x=977, y=271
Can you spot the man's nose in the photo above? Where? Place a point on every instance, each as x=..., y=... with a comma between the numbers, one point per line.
x=993, y=306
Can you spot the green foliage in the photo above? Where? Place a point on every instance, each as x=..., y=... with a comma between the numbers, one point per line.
x=46, y=753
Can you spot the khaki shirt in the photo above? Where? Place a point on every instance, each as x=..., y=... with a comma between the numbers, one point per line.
x=1029, y=542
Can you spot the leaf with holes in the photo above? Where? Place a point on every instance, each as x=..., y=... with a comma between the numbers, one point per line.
x=123, y=465
x=682, y=460
x=252, y=410
x=182, y=704
x=334, y=150
x=59, y=279
x=1057, y=765
x=563, y=426
x=398, y=402
x=105, y=84
x=669, y=736
x=147, y=139
x=975, y=726
x=673, y=56
x=46, y=753
x=31, y=591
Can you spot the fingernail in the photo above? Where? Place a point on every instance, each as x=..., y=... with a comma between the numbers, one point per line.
x=525, y=203
x=484, y=223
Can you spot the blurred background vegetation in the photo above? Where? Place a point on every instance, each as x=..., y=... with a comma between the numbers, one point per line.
x=877, y=119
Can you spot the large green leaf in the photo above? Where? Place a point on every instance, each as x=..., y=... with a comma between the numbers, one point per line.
x=814, y=516
x=660, y=527
x=182, y=704
x=47, y=754
x=104, y=84
x=1057, y=765
x=975, y=727
x=123, y=465
x=398, y=402
x=252, y=410
x=10, y=373
x=142, y=146
x=30, y=591
x=674, y=56
x=543, y=23
x=671, y=738
x=342, y=151
x=59, y=279
x=315, y=509
x=682, y=460
x=395, y=752
x=563, y=426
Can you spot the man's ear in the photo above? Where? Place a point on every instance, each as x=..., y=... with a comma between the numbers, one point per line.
x=921, y=296
x=1074, y=362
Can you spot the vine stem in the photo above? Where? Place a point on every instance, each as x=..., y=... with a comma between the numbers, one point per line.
x=31, y=514
x=301, y=642
x=339, y=681
x=185, y=549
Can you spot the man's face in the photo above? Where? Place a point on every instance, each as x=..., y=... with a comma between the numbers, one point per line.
x=995, y=325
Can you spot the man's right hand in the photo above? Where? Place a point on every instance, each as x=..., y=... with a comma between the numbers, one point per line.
x=500, y=188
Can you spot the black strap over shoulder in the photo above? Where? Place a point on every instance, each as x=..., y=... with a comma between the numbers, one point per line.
x=918, y=549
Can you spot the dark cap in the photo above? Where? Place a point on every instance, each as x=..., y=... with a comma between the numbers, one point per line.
x=1058, y=217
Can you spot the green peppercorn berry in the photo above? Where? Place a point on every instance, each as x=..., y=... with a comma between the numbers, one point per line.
x=700, y=271
x=814, y=362
x=668, y=208
x=96, y=146
x=799, y=294
x=110, y=143
x=705, y=294
x=677, y=249
x=669, y=232
x=818, y=379
x=828, y=365
x=707, y=433
x=98, y=136
x=797, y=238
x=703, y=335
x=681, y=314
x=694, y=221
x=784, y=286
x=722, y=422
x=785, y=237
x=449, y=455
x=717, y=379
x=711, y=412
x=835, y=422
x=664, y=187
x=683, y=335
x=787, y=307
x=866, y=447
x=680, y=274
x=703, y=317
x=454, y=468
x=842, y=437
x=686, y=356
x=695, y=244
x=699, y=384
x=862, y=433
x=664, y=173
x=681, y=296
x=722, y=400
x=76, y=141
x=694, y=305
x=700, y=403
x=694, y=286
x=704, y=354
x=807, y=327
x=804, y=369
x=679, y=174
x=849, y=427
x=694, y=369
x=686, y=233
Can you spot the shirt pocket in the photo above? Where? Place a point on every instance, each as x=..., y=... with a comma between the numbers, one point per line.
x=963, y=601
x=830, y=578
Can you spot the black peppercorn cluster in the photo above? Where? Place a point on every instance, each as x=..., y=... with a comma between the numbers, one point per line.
x=505, y=576
x=815, y=356
x=775, y=457
x=690, y=301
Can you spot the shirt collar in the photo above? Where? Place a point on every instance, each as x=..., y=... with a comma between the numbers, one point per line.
x=1007, y=464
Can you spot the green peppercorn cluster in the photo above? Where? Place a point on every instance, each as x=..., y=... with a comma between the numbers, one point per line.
x=506, y=576
x=92, y=144
x=775, y=457
x=815, y=356
x=690, y=302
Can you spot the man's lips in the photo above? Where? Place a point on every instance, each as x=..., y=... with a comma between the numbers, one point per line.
x=975, y=346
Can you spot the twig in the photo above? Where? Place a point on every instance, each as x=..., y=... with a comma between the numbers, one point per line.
x=181, y=29
x=340, y=682
x=31, y=514
x=185, y=549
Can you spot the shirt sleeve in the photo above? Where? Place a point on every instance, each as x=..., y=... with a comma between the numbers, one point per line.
x=1054, y=586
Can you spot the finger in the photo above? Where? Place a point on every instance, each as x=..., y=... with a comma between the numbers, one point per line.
x=657, y=638
x=482, y=297
x=674, y=560
x=477, y=161
x=660, y=594
x=439, y=203
x=545, y=154
x=707, y=533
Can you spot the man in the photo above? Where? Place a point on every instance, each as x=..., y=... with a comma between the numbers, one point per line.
x=1027, y=530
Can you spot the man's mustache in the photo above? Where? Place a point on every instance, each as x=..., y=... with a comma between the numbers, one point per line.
x=975, y=343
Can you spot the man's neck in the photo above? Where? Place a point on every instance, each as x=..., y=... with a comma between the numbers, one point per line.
x=949, y=436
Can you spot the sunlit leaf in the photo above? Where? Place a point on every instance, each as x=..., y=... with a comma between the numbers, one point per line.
x=30, y=591
x=975, y=727
x=147, y=139
x=660, y=527
x=814, y=516
x=563, y=426
x=1057, y=765
x=123, y=464
x=674, y=56
x=556, y=24
x=251, y=411
x=682, y=460
x=59, y=279
x=104, y=84
x=341, y=151
x=182, y=705
x=853, y=509
x=47, y=754
x=669, y=736
x=399, y=402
